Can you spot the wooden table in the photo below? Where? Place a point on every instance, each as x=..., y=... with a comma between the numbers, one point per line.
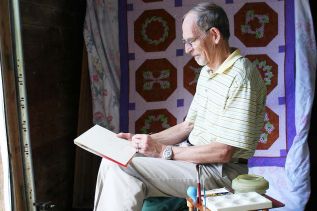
x=200, y=207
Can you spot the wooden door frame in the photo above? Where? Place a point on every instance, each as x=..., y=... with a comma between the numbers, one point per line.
x=7, y=54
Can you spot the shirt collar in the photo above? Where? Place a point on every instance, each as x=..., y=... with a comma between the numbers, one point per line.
x=232, y=58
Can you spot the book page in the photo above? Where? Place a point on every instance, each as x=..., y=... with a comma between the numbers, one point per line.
x=105, y=143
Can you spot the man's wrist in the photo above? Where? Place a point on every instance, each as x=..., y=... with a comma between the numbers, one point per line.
x=167, y=153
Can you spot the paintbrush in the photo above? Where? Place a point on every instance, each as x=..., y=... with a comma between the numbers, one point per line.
x=198, y=184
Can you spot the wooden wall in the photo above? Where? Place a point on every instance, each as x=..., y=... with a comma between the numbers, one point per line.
x=52, y=43
x=11, y=108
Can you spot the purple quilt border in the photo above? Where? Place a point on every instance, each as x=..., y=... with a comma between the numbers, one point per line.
x=290, y=72
x=289, y=89
x=124, y=66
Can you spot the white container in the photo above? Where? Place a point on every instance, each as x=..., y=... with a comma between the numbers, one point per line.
x=250, y=183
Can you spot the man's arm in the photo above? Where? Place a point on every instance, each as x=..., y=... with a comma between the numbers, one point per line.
x=154, y=145
x=214, y=152
x=173, y=135
x=169, y=136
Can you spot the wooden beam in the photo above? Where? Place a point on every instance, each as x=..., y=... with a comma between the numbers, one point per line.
x=11, y=110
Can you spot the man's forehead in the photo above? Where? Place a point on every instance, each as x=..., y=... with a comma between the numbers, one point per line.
x=189, y=26
x=190, y=18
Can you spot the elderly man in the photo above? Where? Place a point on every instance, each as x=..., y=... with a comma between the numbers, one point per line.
x=223, y=124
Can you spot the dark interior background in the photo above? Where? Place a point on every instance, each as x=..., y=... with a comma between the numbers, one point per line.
x=53, y=47
x=52, y=32
x=312, y=138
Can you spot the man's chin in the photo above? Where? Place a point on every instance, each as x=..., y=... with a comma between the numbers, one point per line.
x=199, y=61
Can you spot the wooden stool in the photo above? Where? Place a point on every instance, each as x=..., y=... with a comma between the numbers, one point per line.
x=191, y=205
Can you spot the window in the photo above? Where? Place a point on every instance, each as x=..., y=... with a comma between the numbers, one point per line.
x=5, y=191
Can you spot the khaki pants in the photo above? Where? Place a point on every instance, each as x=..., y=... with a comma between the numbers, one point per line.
x=124, y=189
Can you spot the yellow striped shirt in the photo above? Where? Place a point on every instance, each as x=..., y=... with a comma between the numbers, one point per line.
x=228, y=106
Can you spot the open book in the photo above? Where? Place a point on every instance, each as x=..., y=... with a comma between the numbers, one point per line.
x=105, y=143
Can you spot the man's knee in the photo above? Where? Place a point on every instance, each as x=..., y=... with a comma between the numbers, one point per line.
x=105, y=165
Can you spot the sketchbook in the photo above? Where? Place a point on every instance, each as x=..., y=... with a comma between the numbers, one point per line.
x=105, y=143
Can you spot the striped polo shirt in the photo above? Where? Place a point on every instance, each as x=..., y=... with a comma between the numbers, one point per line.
x=228, y=106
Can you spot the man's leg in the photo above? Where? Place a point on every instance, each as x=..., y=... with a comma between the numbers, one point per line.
x=163, y=177
x=121, y=188
x=126, y=188
x=172, y=178
x=116, y=190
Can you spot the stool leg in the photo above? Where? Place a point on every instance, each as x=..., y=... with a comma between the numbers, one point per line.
x=190, y=206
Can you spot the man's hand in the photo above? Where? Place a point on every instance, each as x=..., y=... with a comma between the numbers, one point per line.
x=146, y=145
x=127, y=136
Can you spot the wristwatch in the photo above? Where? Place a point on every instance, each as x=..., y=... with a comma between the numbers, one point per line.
x=168, y=153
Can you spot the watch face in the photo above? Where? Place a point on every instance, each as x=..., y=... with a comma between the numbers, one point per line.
x=167, y=154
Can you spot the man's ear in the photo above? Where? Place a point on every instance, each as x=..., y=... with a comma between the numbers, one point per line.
x=215, y=33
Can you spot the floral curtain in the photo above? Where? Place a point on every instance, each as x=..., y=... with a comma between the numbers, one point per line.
x=101, y=36
x=102, y=44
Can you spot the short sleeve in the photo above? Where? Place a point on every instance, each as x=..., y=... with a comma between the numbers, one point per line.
x=242, y=117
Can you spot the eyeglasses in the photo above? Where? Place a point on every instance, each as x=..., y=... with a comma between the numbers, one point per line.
x=190, y=41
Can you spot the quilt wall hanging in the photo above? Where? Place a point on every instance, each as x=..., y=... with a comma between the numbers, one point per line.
x=159, y=79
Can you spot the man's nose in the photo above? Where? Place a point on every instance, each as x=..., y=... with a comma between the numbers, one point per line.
x=188, y=48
